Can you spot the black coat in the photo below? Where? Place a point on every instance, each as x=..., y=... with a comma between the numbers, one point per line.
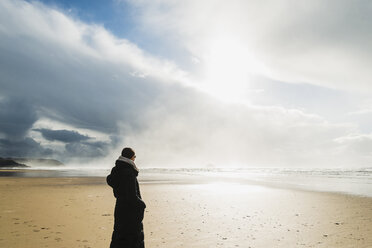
x=129, y=208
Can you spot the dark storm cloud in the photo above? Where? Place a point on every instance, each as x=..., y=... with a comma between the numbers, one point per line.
x=87, y=149
x=26, y=147
x=17, y=115
x=65, y=89
x=66, y=136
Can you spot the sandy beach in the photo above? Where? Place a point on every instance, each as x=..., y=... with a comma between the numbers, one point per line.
x=78, y=212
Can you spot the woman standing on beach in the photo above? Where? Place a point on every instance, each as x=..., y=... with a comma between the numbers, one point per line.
x=129, y=208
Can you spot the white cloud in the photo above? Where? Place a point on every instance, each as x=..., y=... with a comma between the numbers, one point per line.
x=238, y=135
x=358, y=148
x=36, y=21
x=361, y=112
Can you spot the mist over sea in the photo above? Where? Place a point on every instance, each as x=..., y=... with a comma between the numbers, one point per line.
x=347, y=181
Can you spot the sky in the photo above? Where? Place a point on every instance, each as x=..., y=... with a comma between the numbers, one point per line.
x=187, y=83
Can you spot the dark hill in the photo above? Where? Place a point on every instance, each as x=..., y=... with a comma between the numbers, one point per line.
x=8, y=162
x=38, y=161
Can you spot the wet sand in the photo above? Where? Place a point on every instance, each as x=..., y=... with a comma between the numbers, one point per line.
x=78, y=212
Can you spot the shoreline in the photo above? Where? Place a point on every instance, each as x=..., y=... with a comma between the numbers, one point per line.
x=176, y=178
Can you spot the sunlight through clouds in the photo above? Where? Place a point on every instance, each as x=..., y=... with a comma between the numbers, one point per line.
x=229, y=67
x=313, y=42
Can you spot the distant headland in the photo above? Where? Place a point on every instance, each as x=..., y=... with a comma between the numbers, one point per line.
x=28, y=162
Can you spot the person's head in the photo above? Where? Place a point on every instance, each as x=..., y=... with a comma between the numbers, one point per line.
x=128, y=152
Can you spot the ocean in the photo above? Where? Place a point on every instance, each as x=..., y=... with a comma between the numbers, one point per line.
x=346, y=181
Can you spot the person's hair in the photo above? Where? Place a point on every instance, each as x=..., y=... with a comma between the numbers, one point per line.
x=127, y=152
